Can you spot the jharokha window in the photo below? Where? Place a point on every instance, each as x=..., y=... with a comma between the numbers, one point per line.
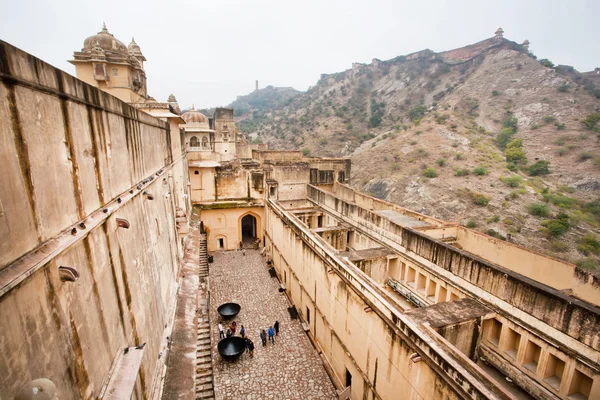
x=204, y=142
x=194, y=142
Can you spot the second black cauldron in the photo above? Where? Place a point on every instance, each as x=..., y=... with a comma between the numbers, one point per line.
x=229, y=310
x=231, y=348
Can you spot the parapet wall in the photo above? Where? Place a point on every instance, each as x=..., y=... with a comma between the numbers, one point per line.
x=575, y=318
x=358, y=327
x=555, y=273
x=73, y=160
x=276, y=155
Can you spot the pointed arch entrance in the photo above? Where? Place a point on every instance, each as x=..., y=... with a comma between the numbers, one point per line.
x=249, y=227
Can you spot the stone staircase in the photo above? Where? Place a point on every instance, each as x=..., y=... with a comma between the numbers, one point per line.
x=203, y=273
x=204, y=371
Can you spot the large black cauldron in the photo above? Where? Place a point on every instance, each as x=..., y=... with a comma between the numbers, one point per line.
x=231, y=348
x=229, y=310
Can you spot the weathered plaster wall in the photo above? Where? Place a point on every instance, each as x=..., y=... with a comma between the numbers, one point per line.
x=292, y=178
x=67, y=150
x=351, y=324
x=118, y=86
x=555, y=273
x=540, y=303
x=239, y=181
x=226, y=223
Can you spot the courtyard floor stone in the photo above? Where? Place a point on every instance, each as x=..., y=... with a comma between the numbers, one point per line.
x=289, y=369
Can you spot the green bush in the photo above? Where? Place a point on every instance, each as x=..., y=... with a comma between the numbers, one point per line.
x=512, y=180
x=305, y=151
x=538, y=209
x=563, y=88
x=493, y=218
x=591, y=121
x=560, y=200
x=559, y=226
x=561, y=141
x=480, y=171
x=511, y=122
x=562, y=151
x=560, y=127
x=514, y=152
x=593, y=207
x=549, y=119
x=459, y=156
x=504, y=136
x=559, y=247
x=374, y=121
x=495, y=234
x=495, y=93
x=589, y=245
x=480, y=199
x=584, y=156
x=323, y=142
x=547, y=63
x=430, y=172
x=588, y=264
x=471, y=224
x=461, y=172
x=441, y=162
x=441, y=119
x=417, y=112
x=539, y=168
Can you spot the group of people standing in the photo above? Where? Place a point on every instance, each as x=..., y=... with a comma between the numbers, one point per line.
x=270, y=332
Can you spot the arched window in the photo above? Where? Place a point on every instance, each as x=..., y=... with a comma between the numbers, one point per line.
x=194, y=142
x=204, y=142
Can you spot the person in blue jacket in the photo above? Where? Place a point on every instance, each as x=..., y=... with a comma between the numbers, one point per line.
x=271, y=332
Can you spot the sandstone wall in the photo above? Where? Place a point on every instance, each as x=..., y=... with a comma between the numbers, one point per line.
x=567, y=322
x=355, y=327
x=69, y=151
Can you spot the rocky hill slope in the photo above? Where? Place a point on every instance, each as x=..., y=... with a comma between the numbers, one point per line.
x=484, y=135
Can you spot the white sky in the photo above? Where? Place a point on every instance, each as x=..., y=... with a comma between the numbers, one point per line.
x=208, y=52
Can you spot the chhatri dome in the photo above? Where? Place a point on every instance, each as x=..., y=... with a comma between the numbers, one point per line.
x=106, y=41
x=194, y=116
x=134, y=50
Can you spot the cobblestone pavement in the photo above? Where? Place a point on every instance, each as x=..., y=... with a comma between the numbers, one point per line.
x=289, y=369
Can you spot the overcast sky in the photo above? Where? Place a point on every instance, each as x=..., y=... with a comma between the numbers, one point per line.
x=208, y=52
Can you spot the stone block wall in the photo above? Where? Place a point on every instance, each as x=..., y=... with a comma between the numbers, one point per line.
x=73, y=160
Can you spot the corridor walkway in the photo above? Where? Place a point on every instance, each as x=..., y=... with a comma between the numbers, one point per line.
x=289, y=369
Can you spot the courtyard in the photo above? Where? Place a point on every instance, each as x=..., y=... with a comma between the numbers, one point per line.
x=289, y=369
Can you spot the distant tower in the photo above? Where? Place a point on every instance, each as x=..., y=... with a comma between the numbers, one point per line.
x=499, y=35
x=256, y=86
x=526, y=44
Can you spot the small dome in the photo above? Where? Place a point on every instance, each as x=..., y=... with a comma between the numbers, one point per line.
x=499, y=32
x=194, y=116
x=172, y=99
x=526, y=43
x=106, y=41
x=134, y=50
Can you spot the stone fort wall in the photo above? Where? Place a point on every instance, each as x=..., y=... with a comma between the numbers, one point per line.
x=74, y=160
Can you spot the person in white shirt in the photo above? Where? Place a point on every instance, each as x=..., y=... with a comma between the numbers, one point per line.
x=221, y=332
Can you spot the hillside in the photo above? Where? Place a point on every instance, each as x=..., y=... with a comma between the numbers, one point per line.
x=484, y=135
x=250, y=109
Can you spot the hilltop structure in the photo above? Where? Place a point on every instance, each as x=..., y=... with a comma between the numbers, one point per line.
x=399, y=305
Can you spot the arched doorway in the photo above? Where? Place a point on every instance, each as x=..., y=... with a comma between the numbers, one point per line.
x=249, y=230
